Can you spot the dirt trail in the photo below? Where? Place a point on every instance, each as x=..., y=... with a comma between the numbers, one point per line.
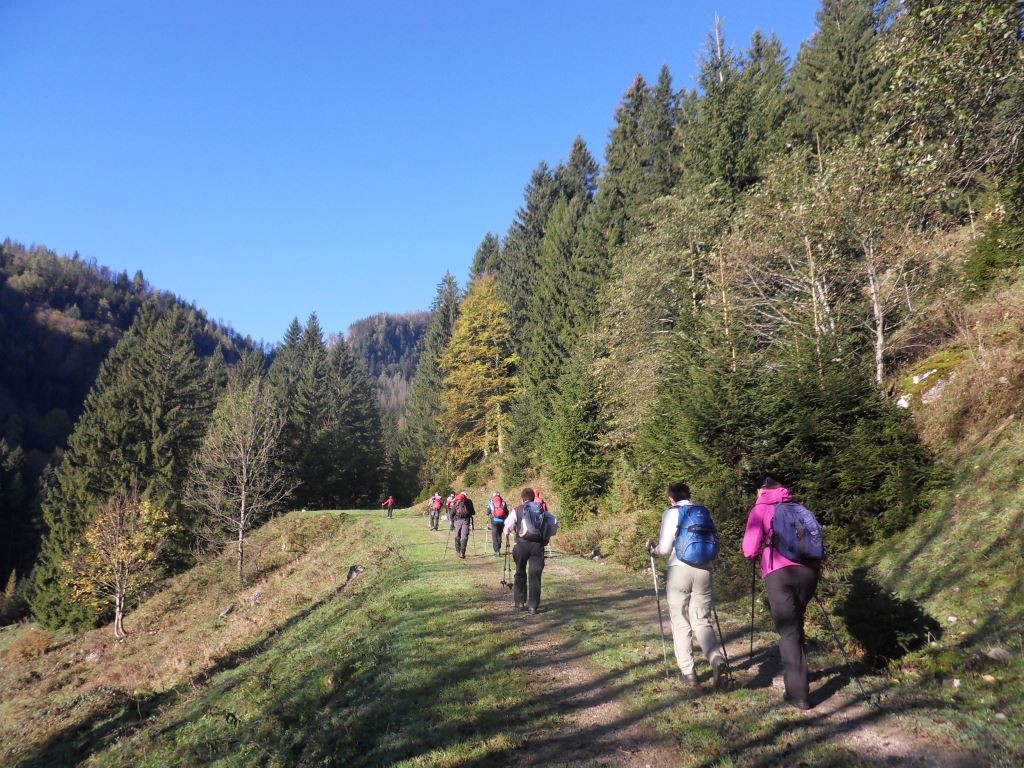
x=600, y=729
x=597, y=728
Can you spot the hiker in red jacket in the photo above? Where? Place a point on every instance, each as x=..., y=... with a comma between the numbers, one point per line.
x=462, y=522
x=435, y=510
x=390, y=504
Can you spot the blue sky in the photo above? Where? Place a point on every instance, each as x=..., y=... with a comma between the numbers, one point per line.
x=267, y=159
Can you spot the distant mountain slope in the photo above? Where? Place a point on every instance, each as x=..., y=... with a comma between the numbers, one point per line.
x=389, y=344
x=59, y=317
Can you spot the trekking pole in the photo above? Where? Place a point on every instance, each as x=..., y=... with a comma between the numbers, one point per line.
x=447, y=542
x=839, y=645
x=753, y=584
x=721, y=639
x=661, y=623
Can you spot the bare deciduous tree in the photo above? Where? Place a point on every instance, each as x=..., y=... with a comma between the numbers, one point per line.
x=236, y=477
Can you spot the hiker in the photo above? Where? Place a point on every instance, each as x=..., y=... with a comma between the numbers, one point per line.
x=462, y=521
x=497, y=510
x=390, y=504
x=435, y=510
x=448, y=507
x=689, y=540
x=790, y=584
x=540, y=499
x=533, y=527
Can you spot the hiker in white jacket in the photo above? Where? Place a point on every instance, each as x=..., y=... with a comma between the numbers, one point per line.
x=533, y=528
x=688, y=593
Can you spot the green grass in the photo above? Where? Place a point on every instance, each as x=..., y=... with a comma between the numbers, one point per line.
x=403, y=667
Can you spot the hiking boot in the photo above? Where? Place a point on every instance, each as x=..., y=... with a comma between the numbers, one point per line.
x=520, y=607
x=691, y=680
x=462, y=555
x=720, y=675
x=801, y=704
x=532, y=611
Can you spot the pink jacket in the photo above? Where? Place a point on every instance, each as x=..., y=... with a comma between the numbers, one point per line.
x=759, y=526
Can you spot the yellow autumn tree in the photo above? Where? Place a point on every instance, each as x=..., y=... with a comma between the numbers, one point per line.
x=119, y=553
x=479, y=376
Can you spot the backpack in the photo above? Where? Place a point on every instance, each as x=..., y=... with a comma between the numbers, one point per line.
x=435, y=503
x=533, y=525
x=796, y=533
x=696, y=537
x=460, y=508
x=498, y=509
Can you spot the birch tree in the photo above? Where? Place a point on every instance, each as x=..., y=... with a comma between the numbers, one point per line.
x=237, y=478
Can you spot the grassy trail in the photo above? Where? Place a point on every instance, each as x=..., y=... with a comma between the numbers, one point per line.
x=420, y=661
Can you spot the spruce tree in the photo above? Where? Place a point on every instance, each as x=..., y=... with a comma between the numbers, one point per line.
x=421, y=443
x=577, y=463
x=143, y=420
x=520, y=252
x=836, y=79
x=623, y=183
x=487, y=256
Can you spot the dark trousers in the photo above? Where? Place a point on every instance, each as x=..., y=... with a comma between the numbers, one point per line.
x=461, y=535
x=496, y=530
x=528, y=553
x=434, y=515
x=390, y=509
x=790, y=589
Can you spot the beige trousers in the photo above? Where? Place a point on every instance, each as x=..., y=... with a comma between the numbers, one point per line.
x=688, y=593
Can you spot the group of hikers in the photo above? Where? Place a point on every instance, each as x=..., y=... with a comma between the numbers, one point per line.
x=785, y=536
x=531, y=523
x=781, y=532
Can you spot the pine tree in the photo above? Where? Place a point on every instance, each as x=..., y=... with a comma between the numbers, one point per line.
x=731, y=127
x=657, y=125
x=310, y=408
x=283, y=378
x=578, y=465
x=142, y=422
x=836, y=79
x=487, y=256
x=421, y=444
x=354, y=437
x=479, y=377
x=623, y=183
x=520, y=252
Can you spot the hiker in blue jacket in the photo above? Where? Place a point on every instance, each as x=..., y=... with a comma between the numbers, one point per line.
x=533, y=528
x=688, y=593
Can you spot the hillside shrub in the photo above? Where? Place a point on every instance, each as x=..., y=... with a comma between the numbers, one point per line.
x=30, y=644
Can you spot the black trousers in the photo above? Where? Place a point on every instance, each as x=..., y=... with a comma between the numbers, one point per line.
x=390, y=510
x=528, y=554
x=790, y=589
x=496, y=530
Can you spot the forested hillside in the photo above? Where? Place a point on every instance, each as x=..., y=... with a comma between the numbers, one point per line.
x=59, y=318
x=389, y=344
x=738, y=289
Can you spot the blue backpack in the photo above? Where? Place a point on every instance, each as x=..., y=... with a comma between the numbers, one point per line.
x=696, y=537
x=796, y=533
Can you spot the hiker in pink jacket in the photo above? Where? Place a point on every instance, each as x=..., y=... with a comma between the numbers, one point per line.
x=790, y=587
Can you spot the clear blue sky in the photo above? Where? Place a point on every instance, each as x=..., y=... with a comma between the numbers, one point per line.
x=267, y=159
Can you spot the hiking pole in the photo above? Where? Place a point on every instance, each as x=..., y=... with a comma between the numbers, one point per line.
x=661, y=623
x=447, y=542
x=835, y=638
x=721, y=640
x=753, y=584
